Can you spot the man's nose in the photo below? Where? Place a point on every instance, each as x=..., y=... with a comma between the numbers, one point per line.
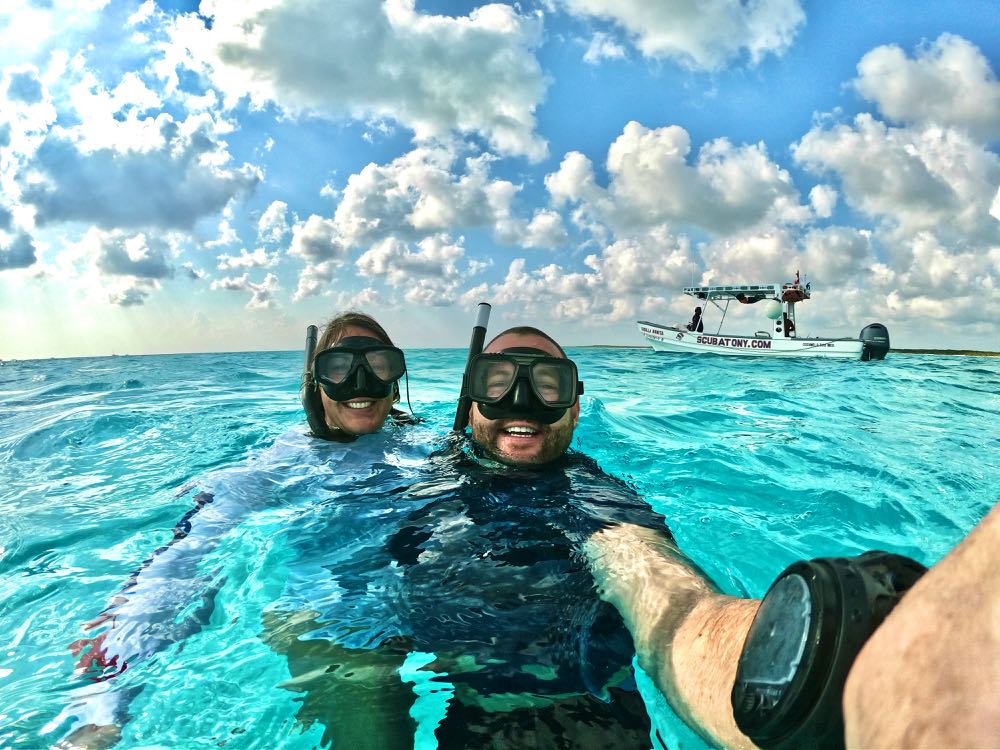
x=361, y=381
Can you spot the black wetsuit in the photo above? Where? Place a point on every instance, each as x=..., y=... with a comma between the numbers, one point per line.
x=496, y=585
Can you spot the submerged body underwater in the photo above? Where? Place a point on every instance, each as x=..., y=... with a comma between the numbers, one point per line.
x=401, y=572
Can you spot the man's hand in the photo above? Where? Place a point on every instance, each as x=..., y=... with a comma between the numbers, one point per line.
x=91, y=737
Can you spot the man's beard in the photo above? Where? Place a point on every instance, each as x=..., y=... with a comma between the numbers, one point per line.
x=555, y=440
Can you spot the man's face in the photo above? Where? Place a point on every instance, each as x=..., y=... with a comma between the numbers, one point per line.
x=524, y=441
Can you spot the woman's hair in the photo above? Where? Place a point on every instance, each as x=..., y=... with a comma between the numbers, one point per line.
x=335, y=327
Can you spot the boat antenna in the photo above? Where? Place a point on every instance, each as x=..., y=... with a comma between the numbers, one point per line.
x=475, y=347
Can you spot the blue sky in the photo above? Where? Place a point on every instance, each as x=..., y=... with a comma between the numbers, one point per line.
x=180, y=176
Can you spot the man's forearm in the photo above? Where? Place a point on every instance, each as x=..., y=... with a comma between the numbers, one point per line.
x=688, y=637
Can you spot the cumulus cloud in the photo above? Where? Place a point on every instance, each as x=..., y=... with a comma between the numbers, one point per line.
x=129, y=297
x=119, y=254
x=261, y=295
x=948, y=83
x=313, y=240
x=433, y=74
x=726, y=189
x=603, y=47
x=914, y=178
x=273, y=224
x=167, y=187
x=430, y=275
x=619, y=282
x=750, y=257
x=928, y=186
x=823, y=199
x=838, y=255
x=259, y=258
x=698, y=34
x=29, y=29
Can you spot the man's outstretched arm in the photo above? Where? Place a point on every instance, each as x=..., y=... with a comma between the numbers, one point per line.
x=936, y=658
x=688, y=637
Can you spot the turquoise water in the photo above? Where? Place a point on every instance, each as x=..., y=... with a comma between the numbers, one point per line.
x=753, y=463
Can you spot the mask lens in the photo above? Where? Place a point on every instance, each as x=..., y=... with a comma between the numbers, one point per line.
x=334, y=366
x=386, y=364
x=553, y=382
x=492, y=378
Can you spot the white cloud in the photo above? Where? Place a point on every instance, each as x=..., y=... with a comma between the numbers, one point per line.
x=119, y=254
x=170, y=185
x=836, y=256
x=273, y=224
x=259, y=258
x=752, y=257
x=603, y=47
x=430, y=275
x=618, y=284
x=261, y=295
x=433, y=74
x=227, y=235
x=929, y=187
x=728, y=188
x=823, y=199
x=698, y=33
x=429, y=191
x=313, y=240
x=912, y=178
x=948, y=83
x=30, y=29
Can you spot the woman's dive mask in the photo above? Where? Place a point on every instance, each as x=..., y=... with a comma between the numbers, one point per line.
x=357, y=367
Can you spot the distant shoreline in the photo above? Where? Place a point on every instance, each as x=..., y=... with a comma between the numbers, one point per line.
x=947, y=352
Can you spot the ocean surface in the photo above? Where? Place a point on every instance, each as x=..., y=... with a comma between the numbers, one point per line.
x=754, y=464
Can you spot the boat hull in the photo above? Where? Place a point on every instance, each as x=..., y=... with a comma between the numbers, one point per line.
x=664, y=338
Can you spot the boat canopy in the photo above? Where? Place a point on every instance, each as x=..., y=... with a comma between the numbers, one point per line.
x=750, y=293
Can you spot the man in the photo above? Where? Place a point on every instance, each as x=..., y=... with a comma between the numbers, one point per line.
x=494, y=585
x=667, y=603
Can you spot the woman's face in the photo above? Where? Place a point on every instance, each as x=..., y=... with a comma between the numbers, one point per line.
x=358, y=416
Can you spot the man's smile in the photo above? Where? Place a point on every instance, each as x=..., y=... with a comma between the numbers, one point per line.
x=520, y=431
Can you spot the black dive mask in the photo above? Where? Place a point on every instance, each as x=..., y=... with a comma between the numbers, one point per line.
x=523, y=383
x=358, y=366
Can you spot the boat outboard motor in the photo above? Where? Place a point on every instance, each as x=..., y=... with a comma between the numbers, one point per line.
x=875, y=338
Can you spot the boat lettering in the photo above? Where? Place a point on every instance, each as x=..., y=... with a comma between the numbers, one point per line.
x=735, y=343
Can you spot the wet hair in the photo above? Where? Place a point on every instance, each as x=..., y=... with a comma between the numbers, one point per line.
x=334, y=329
x=528, y=331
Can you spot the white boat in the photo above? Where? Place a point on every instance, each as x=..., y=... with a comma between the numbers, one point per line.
x=779, y=340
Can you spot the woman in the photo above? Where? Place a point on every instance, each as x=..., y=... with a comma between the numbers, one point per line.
x=349, y=386
x=351, y=383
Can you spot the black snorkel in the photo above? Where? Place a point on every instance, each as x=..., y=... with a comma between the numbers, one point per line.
x=312, y=403
x=475, y=347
